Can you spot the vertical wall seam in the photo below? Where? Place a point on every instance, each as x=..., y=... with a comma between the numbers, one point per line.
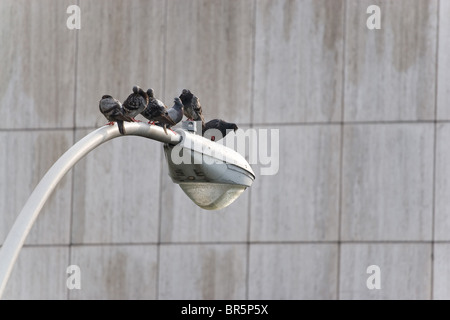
x=252, y=102
x=73, y=142
x=341, y=164
x=434, y=152
x=74, y=122
x=163, y=86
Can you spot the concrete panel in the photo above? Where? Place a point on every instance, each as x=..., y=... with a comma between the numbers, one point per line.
x=442, y=183
x=387, y=182
x=301, y=201
x=116, y=192
x=39, y=274
x=25, y=157
x=115, y=272
x=390, y=73
x=120, y=44
x=441, y=271
x=209, y=51
x=38, y=64
x=293, y=271
x=202, y=272
x=298, y=61
x=404, y=271
x=443, y=77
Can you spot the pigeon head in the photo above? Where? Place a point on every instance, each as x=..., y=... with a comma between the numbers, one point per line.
x=228, y=125
x=178, y=104
x=142, y=93
x=136, y=89
x=151, y=93
x=186, y=96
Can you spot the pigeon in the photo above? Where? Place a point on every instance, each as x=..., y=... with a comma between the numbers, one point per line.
x=135, y=103
x=218, y=124
x=192, y=107
x=175, y=113
x=113, y=111
x=156, y=110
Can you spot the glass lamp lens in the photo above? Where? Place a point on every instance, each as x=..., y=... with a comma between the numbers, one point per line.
x=212, y=196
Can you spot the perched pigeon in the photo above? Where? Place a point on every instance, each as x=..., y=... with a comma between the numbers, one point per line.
x=217, y=124
x=192, y=107
x=113, y=111
x=175, y=113
x=135, y=103
x=156, y=110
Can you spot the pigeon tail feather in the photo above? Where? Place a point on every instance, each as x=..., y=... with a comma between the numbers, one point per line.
x=121, y=127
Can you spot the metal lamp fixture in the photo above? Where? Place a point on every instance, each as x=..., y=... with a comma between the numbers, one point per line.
x=211, y=175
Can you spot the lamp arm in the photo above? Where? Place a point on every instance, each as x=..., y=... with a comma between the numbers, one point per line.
x=17, y=235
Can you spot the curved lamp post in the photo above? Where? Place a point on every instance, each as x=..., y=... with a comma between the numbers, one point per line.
x=212, y=175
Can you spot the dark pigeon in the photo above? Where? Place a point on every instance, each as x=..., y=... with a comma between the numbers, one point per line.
x=113, y=111
x=210, y=128
x=156, y=110
x=192, y=107
x=135, y=103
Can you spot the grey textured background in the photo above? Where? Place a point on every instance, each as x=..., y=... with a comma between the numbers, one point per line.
x=364, y=120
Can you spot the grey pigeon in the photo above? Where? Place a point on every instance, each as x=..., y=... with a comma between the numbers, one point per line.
x=175, y=113
x=113, y=111
x=218, y=124
x=135, y=103
x=156, y=110
x=192, y=107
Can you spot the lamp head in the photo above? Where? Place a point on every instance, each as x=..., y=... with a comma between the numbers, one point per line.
x=211, y=174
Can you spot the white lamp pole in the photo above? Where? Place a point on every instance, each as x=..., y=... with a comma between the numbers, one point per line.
x=22, y=226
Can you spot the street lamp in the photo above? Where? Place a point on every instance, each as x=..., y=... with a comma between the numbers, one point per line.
x=211, y=175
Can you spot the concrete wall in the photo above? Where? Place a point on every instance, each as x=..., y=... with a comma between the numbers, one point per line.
x=364, y=172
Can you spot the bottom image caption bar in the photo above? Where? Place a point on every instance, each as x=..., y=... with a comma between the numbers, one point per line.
x=225, y=309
